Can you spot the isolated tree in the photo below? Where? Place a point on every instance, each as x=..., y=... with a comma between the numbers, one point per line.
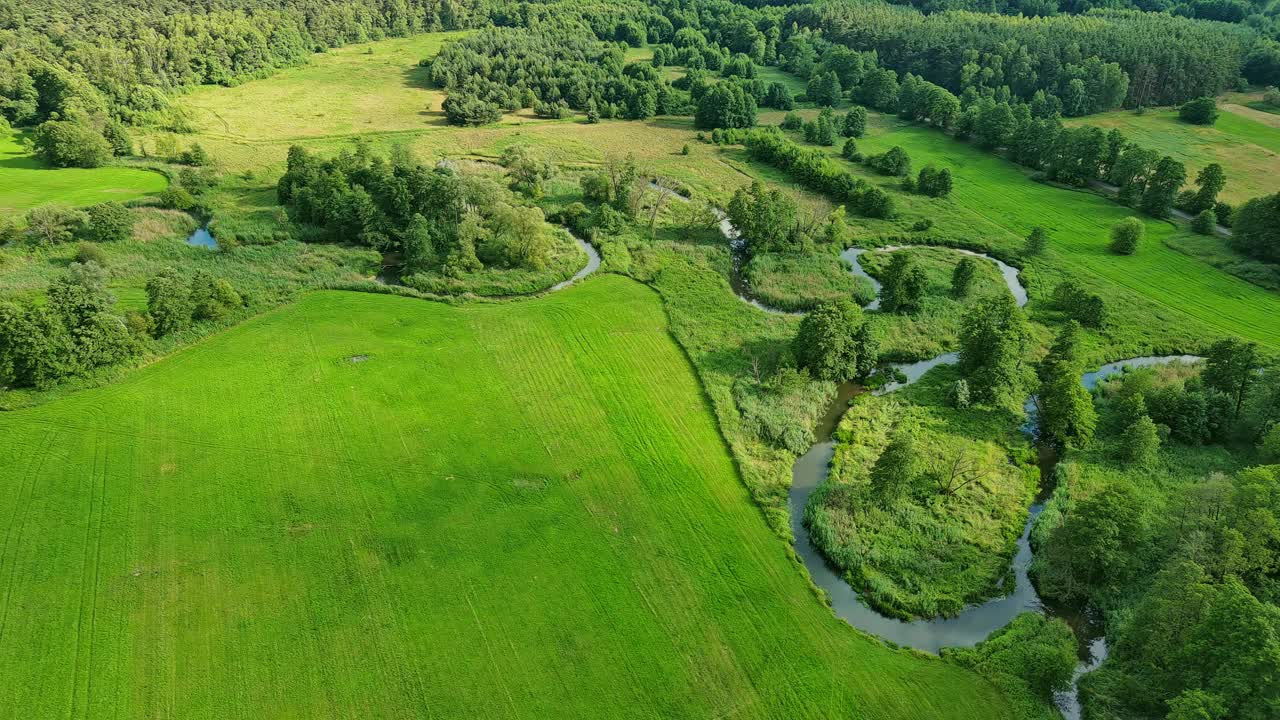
x=1126, y=235
x=1231, y=368
x=896, y=471
x=994, y=340
x=1037, y=241
x=904, y=284
x=834, y=342
x=963, y=277
x=1065, y=408
x=1201, y=111
x=107, y=222
x=849, y=151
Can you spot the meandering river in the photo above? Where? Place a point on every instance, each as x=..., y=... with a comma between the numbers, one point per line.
x=977, y=621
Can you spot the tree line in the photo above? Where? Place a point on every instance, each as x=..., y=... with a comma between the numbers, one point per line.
x=122, y=59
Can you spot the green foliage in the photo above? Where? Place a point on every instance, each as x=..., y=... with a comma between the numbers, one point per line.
x=169, y=302
x=821, y=130
x=1140, y=442
x=765, y=218
x=783, y=408
x=71, y=143
x=824, y=89
x=994, y=342
x=963, y=277
x=462, y=109
x=1256, y=228
x=107, y=222
x=835, y=343
x=904, y=285
x=934, y=182
x=1086, y=308
x=1204, y=222
x=1032, y=657
x=1126, y=236
x=948, y=537
x=1037, y=241
x=853, y=124
x=725, y=105
x=894, y=161
x=1064, y=408
x=49, y=225
x=1200, y=111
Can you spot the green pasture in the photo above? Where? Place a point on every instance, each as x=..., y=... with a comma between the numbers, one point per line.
x=1159, y=299
x=368, y=506
x=1247, y=149
x=27, y=182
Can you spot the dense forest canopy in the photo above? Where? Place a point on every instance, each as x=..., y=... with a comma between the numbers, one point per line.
x=1168, y=59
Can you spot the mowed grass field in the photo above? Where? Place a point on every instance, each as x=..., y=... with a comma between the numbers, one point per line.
x=1154, y=294
x=370, y=506
x=364, y=88
x=1247, y=147
x=26, y=182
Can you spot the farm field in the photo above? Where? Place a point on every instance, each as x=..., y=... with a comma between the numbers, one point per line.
x=1247, y=147
x=995, y=203
x=26, y=182
x=361, y=505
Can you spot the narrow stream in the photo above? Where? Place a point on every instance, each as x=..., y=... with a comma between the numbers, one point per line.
x=977, y=621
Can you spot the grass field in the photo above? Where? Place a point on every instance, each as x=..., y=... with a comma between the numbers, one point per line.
x=514, y=510
x=26, y=182
x=364, y=88
x=1160, y=298
x=1246, y=146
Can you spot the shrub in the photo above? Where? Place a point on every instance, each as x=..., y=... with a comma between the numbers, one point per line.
x=176, y=197
x=1201, y=111
x=792, y=121
x=1037, y=241
x=1204, y=222
x=894, y=161
x=108, y=222
x=87, y=252
x=1126, y=235
x=849, y=151
x=195, y=156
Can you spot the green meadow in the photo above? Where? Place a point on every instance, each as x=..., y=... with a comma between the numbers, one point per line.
x=1164, y=299
x=1247, y=148
x=368, y=506
x=26, y=182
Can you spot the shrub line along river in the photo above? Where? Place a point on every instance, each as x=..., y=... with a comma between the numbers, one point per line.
x=977, y=621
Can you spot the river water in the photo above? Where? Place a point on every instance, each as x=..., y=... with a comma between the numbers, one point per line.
x=977, y=621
